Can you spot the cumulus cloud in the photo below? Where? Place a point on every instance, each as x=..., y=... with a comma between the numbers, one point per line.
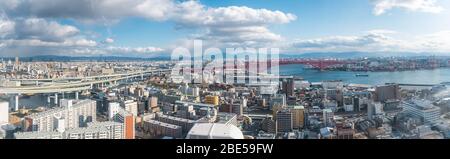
x=234, y=26
x=42, y=29
x=221, y=26
x=88, y=10
x=429, y=6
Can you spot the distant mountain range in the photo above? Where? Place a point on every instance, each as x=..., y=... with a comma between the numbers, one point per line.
x=87, y=58
x=358, y=55
x=343, y=55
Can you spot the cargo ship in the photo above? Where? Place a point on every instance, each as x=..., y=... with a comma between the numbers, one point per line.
x=362, y=75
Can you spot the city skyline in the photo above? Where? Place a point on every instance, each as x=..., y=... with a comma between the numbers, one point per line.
x=149, y=28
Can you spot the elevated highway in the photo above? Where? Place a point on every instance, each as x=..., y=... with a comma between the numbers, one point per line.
x=70, y=85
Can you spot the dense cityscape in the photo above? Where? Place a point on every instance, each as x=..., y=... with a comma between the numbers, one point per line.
x=305, y=70
x=145, y=100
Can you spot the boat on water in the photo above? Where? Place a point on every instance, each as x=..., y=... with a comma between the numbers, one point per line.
x=362, y=75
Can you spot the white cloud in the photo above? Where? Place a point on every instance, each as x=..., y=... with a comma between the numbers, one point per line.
x=108, y=41
x=36, y=28
x=221, y=26
x=34, y=36
x=376, y=42
x=345, y=43
x=6, y=27
x=429, y=6
x=139, y=50
x=40, y=43
x=233, y=26
x=435, y=42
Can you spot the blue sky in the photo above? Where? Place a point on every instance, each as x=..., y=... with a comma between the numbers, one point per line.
x=149, y=27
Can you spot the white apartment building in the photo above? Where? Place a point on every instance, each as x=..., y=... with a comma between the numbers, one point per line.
x=95, y=130
x=131, y=106
x=75, y=114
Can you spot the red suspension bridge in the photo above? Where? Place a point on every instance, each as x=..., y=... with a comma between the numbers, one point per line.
x=320, y=64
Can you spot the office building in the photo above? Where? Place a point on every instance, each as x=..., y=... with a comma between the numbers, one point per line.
x=76, y=114
x=392, y=105
x=284, y=120
x=298, y=116
x=423, y=109
x=383, y=93
x=374, y=109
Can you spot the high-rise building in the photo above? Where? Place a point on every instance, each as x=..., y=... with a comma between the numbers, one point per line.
x=327, y=117
x=4, y=112
x=152, y=102
x=298, y=116
x=284, y=120
x=131, y=106
x=288, y=86
x=269, y=125
x=113, y=110
x=244, y=102
x=383, y=93
x=214, y=100
x=76, y=114
x=126, y=118
x=17, y=64
x=195, y=91
x=373, y=109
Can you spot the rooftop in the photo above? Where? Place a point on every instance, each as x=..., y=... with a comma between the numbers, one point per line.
x=215, y=131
